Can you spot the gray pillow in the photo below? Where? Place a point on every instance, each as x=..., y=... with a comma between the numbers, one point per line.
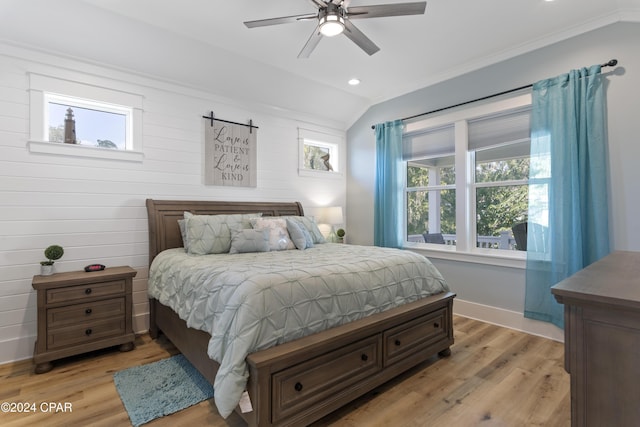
x=310, y=225
x=210, y=234
x=299, y=234
x=249, y=240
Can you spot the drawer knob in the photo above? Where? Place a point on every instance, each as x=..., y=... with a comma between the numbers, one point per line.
x=87, y=291
x=88, y=311
x=398, y=342
x=364, y=357
x=436, y=325
x=298, y=387
x=88, y=332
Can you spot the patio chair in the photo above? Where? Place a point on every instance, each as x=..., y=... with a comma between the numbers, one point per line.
x=539, y=235
x=433, y=238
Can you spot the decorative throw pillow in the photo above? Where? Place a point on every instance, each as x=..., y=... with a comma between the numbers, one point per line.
x=279, y=239
x=310, y=224
x=297, y=232
x=211, y=234
x=249, y=240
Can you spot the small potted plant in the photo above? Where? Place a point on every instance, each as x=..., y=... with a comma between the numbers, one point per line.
x=340, y=233
x=52, y=253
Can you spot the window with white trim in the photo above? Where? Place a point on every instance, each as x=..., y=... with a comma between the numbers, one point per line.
x=430, y=185
x=88, y=122
x=79, y=119
x=467, y=177
x=319, y=152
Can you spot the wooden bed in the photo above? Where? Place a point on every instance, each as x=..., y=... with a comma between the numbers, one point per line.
x=301, y=381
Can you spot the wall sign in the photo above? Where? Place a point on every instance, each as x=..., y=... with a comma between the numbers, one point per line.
x=230, y=154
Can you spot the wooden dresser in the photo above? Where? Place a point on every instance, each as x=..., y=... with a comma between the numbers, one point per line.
x=602, y=340
x=80, y=312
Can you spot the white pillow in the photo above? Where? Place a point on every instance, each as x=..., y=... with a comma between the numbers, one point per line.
x=279, y=239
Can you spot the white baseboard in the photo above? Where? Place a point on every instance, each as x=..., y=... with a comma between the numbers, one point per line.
x=507, y=318
x=141, y=323
x=16, y=349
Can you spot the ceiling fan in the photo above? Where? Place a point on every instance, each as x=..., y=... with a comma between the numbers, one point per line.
x=334, y=17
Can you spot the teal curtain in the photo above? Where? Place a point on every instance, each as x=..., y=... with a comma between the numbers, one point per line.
x=387, y=212
x=568, y=226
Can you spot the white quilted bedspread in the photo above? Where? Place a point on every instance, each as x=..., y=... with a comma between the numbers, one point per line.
x=252, y=301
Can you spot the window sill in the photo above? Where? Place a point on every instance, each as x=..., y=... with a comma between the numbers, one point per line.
x=73, y=150
x=511, y=259
x=318, y=174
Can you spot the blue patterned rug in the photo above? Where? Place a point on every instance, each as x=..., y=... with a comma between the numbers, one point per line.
x=160, y=388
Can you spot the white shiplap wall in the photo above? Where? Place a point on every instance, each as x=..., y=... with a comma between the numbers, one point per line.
x=95, y=208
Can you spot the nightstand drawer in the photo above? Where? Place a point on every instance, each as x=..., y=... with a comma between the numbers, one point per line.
x=84, y=333
x=92, y=290
x=80, y=313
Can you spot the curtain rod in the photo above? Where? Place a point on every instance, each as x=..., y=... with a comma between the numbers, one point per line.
x=611, y=63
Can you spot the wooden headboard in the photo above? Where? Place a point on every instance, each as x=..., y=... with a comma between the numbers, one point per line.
x=164, y=232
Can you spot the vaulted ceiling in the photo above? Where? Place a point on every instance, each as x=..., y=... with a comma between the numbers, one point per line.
x=204, y=43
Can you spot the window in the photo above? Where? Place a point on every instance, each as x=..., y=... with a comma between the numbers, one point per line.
x=500, y=147
x=319, y=152
x=86, y=120
x=318, y=155
x=467, y=177
x=430, y=186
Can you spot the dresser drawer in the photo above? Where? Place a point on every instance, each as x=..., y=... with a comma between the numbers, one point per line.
x=80, y=313
x=324, y=376
x=412, y=337
x=74, y=293
x=85, y=332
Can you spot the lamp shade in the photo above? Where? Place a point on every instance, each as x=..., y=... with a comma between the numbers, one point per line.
x=331, y=215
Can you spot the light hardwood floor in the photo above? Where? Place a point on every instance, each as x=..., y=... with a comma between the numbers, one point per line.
x=494, y=377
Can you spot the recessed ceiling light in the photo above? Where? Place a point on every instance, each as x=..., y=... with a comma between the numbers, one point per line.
x=354, y=82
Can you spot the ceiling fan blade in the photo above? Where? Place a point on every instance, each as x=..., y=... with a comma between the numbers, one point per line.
x=381, y=10
x=277, y=21
x=358, y=37
x=311, y=43
x=318, y=3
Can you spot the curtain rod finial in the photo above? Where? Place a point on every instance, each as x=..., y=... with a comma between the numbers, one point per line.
x=611, y=63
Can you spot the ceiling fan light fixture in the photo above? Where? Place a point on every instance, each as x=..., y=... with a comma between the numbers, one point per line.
x=331, y=25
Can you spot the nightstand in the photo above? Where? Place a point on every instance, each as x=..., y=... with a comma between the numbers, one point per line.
x=80, y=312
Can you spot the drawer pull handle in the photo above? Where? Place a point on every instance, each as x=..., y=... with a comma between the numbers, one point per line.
x=298, y=387
x=88, y=311
x=88, y=332
x=398, y=342
x=87, y=291
x=364, y=357
x=436, y=325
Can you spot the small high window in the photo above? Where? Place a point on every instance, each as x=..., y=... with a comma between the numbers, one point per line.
x=319, y=152
x=84, y=119
x=320, y=156
x=85, y=122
